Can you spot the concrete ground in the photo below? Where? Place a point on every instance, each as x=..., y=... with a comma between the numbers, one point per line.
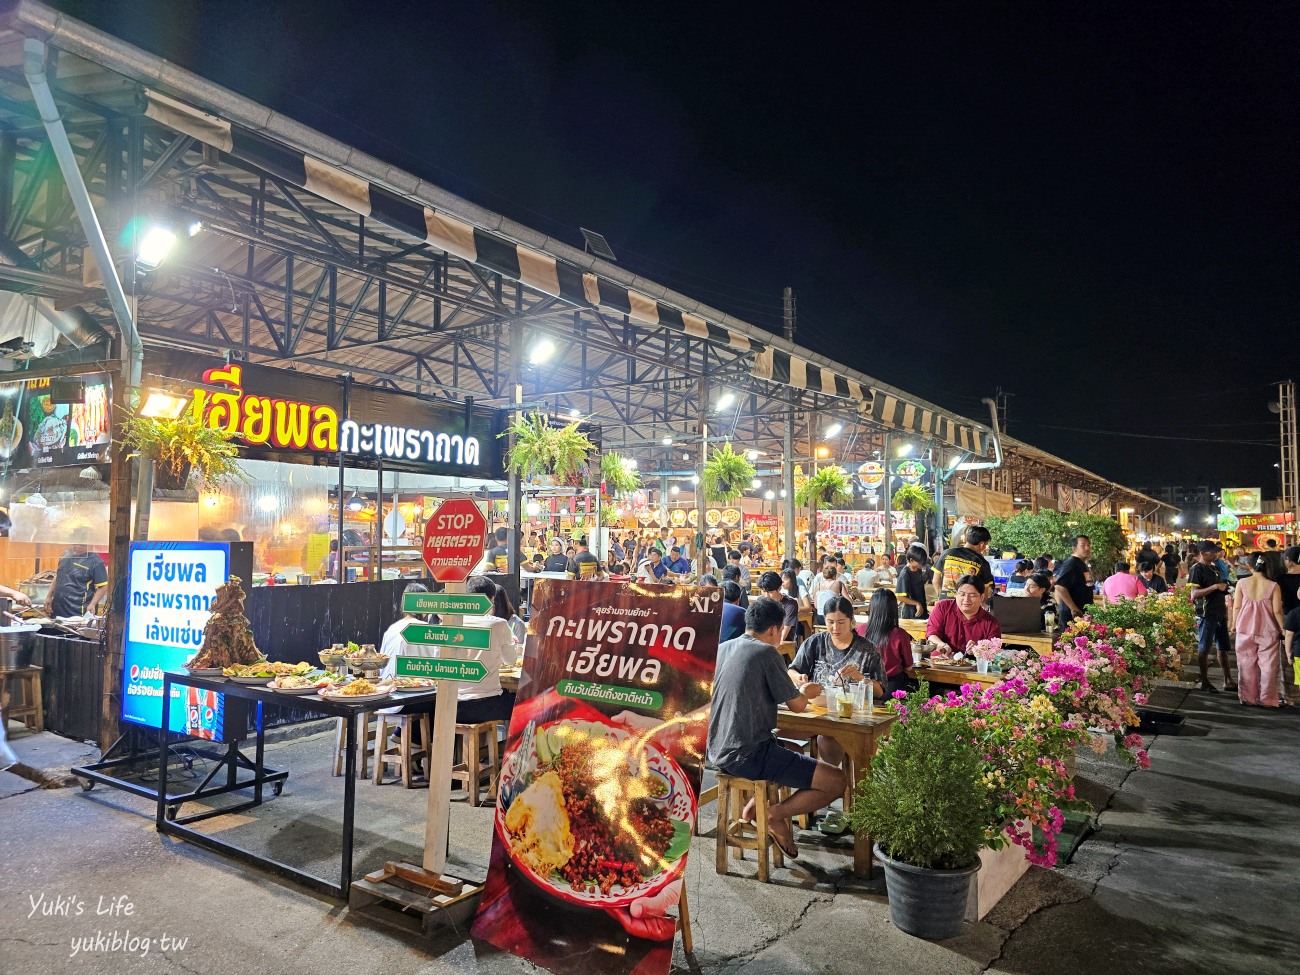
x=1192, y=869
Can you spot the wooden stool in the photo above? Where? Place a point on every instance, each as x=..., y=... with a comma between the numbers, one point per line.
x=471, y=768
x=684, y=922
x=733, y=793
x=405, y=752
x=26, y=706
x=365, y=737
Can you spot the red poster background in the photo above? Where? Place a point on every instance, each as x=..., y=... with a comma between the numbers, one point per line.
x=516, y=913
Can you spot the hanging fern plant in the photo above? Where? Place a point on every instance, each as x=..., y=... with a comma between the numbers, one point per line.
x=726, y=475
x=540, y=448
x=619, y=478
x=913, y=497
x=828, y=486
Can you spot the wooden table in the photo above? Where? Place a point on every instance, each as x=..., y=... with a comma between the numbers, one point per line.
x=954, y=676
x=510, y=679
x=859, y=735
x=1038, y=642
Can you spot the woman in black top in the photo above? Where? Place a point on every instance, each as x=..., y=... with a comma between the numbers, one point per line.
x=556, y=561
x=1170, y=559
x=849, y=655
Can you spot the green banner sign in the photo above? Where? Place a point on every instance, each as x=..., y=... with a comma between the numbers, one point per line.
x=437, y=668
x=469, y=604
x=610, y=694
x=425, y=635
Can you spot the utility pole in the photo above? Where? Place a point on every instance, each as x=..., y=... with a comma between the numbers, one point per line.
x=1002, y=397
x=787, y=461
x=1285, y=407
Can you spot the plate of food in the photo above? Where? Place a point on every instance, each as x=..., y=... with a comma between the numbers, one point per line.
x=357, y=692
x=260, y=673
x=413, y=685
x=592, y=814
x=308, y=683
x=203, y=671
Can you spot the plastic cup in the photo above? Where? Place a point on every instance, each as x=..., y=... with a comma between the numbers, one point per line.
x=845, y=704
x=916, y=658
x=859, y=692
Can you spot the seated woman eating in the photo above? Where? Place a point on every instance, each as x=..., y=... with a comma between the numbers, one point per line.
x=850, y=656
x=892, y=642
x=958, y=623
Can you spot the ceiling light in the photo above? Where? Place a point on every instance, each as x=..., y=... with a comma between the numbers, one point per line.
x=533, y=508
x=575, y=413
x=355, y=503
x=770, y=495
x=756, y=484
x=783, y=492
x=668, y=441
x=752, y=455
x=726, y=399
x=834, y=429
x=695, y=479
x=154, y=246
x=674, y=490
x=542, y=350
x=686, y=456
x=823, y=451
x=629, y=463
x=904, y=450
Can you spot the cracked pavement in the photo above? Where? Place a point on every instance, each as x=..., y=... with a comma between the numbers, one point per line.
x=1191, y=869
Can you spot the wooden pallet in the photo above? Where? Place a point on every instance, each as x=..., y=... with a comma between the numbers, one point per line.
x=408, y=897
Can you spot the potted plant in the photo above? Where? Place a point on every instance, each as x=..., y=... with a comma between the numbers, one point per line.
x=925, y=803
x=726, y=475
x=827, y=486
x=916, y=499
x=181, y=446
x=619, y=477
x=538, y=448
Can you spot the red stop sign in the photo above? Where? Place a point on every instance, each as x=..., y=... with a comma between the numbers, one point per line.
x=454, y=540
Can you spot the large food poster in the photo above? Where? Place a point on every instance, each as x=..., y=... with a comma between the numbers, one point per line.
x=37, y=431
x=600, y=776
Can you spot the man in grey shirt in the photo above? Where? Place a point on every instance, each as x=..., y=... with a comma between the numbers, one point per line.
x=750, y=681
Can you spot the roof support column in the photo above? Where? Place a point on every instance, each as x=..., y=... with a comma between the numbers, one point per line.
x=514, y=486
x=787, y=482
x=701, y=549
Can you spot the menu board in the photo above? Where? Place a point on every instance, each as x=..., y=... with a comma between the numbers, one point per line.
x=600, y=776
x=35, y=431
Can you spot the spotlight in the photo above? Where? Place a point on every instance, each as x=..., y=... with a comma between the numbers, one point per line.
x=154, y=246
x=542, y=350
x=725, y=400
x=159, y=405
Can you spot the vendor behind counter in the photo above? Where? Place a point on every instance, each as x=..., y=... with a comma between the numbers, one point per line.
x=80, y=583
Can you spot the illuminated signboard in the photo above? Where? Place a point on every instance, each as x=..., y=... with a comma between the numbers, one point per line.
x=170, y=587
x=274, y=412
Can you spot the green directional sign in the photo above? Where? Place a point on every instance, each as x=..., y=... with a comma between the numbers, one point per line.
x=465, y=603
x=437, y=668
x=426, y=635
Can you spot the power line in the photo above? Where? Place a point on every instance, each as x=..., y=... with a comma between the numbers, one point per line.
x=1157, y=436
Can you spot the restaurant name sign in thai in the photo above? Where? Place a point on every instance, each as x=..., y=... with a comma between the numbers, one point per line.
x=284, y=411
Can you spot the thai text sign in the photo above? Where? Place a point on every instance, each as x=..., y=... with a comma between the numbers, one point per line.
x=170, y=588
x=465, y=603
x=438, y=668
x=428, y=635
x=613, y=707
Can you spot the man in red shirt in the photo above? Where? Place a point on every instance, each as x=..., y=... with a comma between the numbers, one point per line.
x=956, y=623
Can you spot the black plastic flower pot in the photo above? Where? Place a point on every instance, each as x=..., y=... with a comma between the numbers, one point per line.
x=926, y=903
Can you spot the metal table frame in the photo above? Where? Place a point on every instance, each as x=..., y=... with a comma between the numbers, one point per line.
x=168, y=822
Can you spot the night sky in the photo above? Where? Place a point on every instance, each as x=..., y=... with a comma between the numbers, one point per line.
x=1092, y=206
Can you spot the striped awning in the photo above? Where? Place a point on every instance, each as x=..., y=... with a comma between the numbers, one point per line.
x=539, y=271
x=887, y=408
